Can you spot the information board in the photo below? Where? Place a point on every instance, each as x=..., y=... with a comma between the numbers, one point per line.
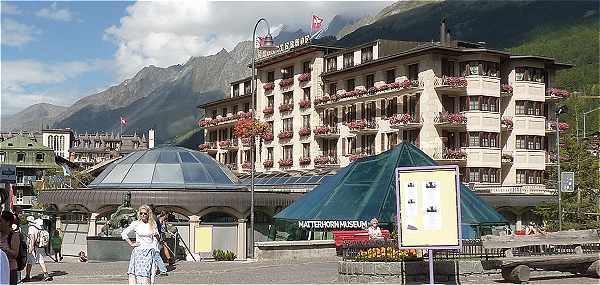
x=428, y=207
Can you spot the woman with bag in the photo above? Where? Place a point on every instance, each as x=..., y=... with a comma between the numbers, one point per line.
x=141, y=263
x=9, y=243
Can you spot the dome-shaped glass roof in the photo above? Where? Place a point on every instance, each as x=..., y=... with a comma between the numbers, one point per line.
x=166, y=167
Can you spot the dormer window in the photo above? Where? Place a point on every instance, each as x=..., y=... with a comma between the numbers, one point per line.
x=20, y=157
x=39, y=157
x=366, y=54
x=306, y=67
x=350, y=84
x=2, y=155
x=348, y=59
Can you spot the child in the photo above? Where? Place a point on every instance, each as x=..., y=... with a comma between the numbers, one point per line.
x=56, y=242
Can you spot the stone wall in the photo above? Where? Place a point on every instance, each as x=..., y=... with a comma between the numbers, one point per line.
x=293, y=250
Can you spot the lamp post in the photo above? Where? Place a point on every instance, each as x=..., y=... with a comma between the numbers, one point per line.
x=266, y=45
x=559, y=110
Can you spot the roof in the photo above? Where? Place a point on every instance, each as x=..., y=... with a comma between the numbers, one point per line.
x=248, y=78
x=225, y=100
x=167, y=167
x=20, y=142
x=291, y=53
x=366, y=189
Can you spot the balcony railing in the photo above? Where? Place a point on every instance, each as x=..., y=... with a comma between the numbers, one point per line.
x=363, y=126
x=326, y=131
x=447, y=120
x=230, y=118
x=514, y=189
x=451, y=154
x=405, y=121
x=229, y=144
x=450, y=83
x=555, y=93
x=382, y=90
x=326, y=160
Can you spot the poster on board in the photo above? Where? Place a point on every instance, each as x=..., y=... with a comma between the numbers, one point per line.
x=428, y=207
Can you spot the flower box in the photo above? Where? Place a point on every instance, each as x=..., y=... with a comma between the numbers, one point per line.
x=321, y=130
x=304, y=103
x=304, y=132
x=246, y=165
x=285, y=162
x=268, y=110
x=204, y=123
x=453, y=81
x=356, y=157
x=561, y=126
x=249, y=127
x=507, y=123
x=323, y=159
x=268, y=86
x=224, y=143
x=506, y=88
x=203, y=147
x=304, y=77
x=558, y=92
x=456, y=154
x=323, y=99
x=268, y=137
x=407, y=84
x=507, y=158
x=400, y=119
x=286, y=107
x=246, y=141
x=304, y=160
x=357, y=125
x=285, y=135
x=268, y=163
x=286, y=82
x=445, y=117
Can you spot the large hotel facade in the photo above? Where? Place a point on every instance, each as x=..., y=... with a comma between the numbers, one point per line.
x=488, y=111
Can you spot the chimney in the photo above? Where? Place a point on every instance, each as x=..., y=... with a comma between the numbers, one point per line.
x=443, y=32
x=448, y=38
x=151, y=138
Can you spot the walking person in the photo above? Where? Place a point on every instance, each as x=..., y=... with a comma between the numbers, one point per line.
x=56, y=242
x=159, y=245
x=374, y=230
x=9, y=243
x=141, y=263
x=35, y=249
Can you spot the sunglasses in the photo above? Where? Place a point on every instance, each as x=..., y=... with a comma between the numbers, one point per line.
x=143, y=213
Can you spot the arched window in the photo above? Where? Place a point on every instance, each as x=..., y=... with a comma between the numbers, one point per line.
x=61, y=147
x=51, y=141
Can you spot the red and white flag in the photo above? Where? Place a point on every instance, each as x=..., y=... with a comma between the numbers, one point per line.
x=316, y=22
x=260, y=41
x=123, y=121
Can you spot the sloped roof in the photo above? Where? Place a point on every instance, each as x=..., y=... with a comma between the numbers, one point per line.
x=366, y=189
x=22, y=142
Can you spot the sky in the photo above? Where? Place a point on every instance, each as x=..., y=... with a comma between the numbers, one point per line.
x=58, y=52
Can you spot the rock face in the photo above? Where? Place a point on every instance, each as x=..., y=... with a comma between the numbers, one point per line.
x=34, y=117
x=160, y=98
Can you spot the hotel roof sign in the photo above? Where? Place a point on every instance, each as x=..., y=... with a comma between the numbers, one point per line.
x=284, y=47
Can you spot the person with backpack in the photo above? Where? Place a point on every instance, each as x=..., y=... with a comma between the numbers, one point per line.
x=9, y=243
x=37, y=241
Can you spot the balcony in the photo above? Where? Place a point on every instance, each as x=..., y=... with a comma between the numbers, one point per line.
x=326, y=132
x=304, y=132
x=268, y=111
x=325, y=161
x=445, y=120
x=551, y=127
x=26, y=180
x=231, y=144
x=286, y=108
x=390, y=90
x=405, y=121
x=361, y=153
x=363, y=127
x=246, y=142
x=304, y=161
x=450, y=85
x=533, y=189
x=285, y=83
x=506, y=124
x=285, y=135
x=304, y=77
x=451, y=156
x=556, y=94
x=507, y=158
x=506, y=90
x=247, y=166
x=268, y=138
x=232, y=166
x=230, y=119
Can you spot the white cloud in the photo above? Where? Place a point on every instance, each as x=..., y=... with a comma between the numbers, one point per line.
x=16, y=34
x=167, y=33
x=9, y=9
x=22, y=81
x=54, y=13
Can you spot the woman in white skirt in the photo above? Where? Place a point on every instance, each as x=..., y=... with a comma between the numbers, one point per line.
x=141, y=263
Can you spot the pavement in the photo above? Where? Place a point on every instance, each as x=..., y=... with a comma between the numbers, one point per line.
x=242, y=272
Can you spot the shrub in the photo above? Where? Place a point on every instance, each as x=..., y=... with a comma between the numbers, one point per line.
x=223, y=255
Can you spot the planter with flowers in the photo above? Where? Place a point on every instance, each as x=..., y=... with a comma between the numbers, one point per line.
x=225, y=143
x=455, y=154
x=246, y=165
x=324, y=99
x=506, y=88
x=304, y=103
x=400, y=119
x=286, y=108
x=268, y=163
x=322, y=159
x=249, y=128
x=285, y=162
x=304, y=160
x=507, y=158
x=246, y=141
x=204, y=122
x=322, y=130
x=357, y=125
x=561, y=126
x=203, y=147
x=268, y=137
x=304, y=132
x=286, y=82
x=304, y=77
x=284, y=135
x=269, y=86
x=560, y=93
x=268, y=111
x=507, y=123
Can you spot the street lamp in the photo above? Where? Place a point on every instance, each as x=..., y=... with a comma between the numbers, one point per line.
x=267, y=45
x=559, y=110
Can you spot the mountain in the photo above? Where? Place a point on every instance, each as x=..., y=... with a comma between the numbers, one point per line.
x=34, y=117
x=336, y=24
x=286, y=35
x=161, y=98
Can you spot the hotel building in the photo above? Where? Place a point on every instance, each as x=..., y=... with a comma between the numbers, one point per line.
x=488, y=111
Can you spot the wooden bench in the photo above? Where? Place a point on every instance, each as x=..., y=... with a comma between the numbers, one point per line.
x=359, y=235
x=570, y=258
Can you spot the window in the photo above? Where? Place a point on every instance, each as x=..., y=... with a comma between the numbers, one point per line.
x=537, y=142
x=473, y=103
x=530, y=142
x=270, y=101
x=482, y=68
x=224, y=112
x=473, y=139
x=247, y=88
x=332, y=88
x=370, y=81
x=350, y=84
x=485, y=106
x=39, y=157
x=521, y=174
x=448, y=67
x=246, y=107
x=493, y=140
x=483, y=174
x=390, y=76
x=269, y=153
x=348, y=59
x=493, y=104
x=473, y=174
x=366, y=54
x=287, y=72
x=288, y=125
x=271, y=76
x=484, y=140
x=236, y=90
x=20, y=157
x=351, y=145
x=306, y=121
x=332, y=64
x=288, y=152
x=520, y=108
x=306, y=67
x=306, y=92
x=2, y=154
x=288, y=97
x=413, y=72
x=530, y=74
x=306, y=150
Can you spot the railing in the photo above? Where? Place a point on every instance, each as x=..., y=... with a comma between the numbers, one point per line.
x=326, y=130
x=451, y=154
x=513, y=189
x=363, y=125
x=455, y=119
x=372, y=91
x=232, y=166
x=450, y=81
x=326, y=160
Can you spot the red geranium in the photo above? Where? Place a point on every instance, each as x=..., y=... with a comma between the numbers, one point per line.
x=285, y=162
x=268, y=86
x=285, y=135
x=506, y=88
x=268, y=163
x=304, y=77
x=304, y=132
x=304, y=160
x=457, y=81
x=286, y=82
x=268, y=110
x=305, y=103
x=321, y=130
x=203, y=147
x=286, y=107
x=558, y=92
x=247, y=128
x=323, y=159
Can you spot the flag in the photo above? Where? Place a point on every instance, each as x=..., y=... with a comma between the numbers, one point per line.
x=316, y=22
x=123, y=121
x=260, y=41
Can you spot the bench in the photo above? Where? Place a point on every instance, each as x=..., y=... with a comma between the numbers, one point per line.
x=558, y=251
x=348, y=236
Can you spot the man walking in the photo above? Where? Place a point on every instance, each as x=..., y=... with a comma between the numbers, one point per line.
x=34, y=254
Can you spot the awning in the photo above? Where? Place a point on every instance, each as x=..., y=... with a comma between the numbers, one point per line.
x=366, y=189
